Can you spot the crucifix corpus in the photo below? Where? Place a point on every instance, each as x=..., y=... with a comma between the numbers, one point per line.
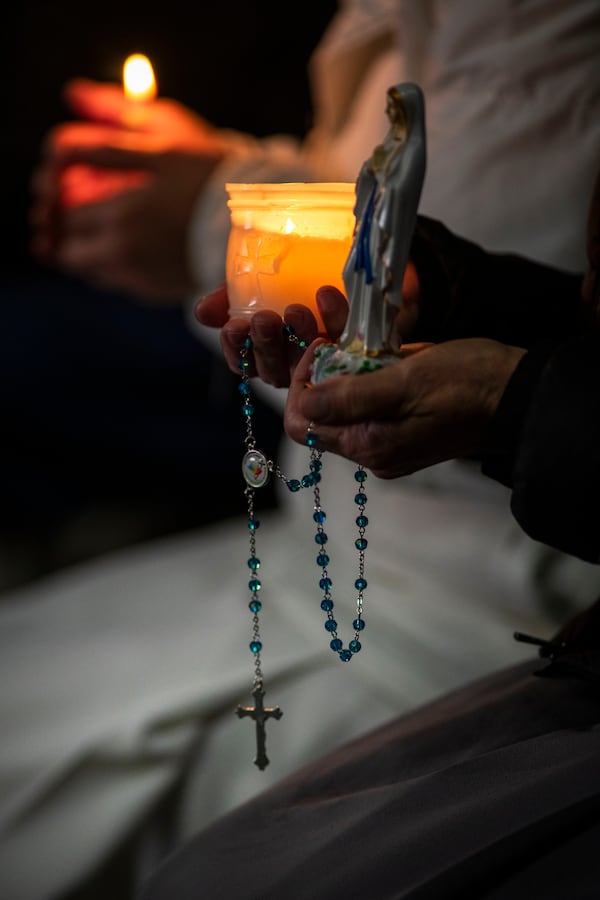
x=260, y=713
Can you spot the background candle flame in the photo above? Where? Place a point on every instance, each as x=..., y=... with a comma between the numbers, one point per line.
x=139, y=82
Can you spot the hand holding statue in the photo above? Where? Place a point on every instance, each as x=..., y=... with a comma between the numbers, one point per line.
x=433, y=405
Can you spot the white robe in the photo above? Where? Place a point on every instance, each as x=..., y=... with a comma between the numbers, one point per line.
x=119, y=678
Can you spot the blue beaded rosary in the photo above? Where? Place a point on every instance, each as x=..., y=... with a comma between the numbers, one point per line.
x=256, y=469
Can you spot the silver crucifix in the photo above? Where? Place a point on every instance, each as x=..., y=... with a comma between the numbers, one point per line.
x=260, y=713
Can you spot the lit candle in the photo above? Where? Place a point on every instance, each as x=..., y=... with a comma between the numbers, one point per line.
x=286, y=240
x=139, y=86
x=81, y=183
x=139, y=82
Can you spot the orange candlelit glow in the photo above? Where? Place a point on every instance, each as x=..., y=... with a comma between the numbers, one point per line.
x=139, y=82
x=81, y=183
x=286, y=240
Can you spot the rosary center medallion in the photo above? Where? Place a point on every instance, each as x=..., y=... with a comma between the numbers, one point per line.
x=255, y=468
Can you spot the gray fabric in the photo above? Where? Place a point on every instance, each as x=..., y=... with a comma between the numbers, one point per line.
x=491, y=792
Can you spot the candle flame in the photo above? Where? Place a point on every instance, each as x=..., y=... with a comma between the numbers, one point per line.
x=139, y=82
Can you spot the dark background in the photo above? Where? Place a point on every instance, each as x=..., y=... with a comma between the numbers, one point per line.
x=117, y=425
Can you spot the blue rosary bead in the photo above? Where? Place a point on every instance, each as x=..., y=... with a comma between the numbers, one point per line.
x=308, y=480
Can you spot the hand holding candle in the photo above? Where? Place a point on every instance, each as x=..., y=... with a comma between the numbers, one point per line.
x=82, y=182
x=274, y=357
x=115, y=189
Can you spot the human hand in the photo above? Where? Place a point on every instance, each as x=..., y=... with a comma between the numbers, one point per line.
x=113, y=194
x=273, y=357
x=434, y=404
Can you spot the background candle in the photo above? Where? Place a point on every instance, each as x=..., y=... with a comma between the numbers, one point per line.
x=81, y=183
x=286, y=240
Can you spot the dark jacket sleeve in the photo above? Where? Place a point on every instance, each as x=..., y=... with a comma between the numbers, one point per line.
x=468, y=292
x=544, y=443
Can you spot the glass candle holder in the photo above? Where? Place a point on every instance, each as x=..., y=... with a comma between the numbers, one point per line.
x=286, y=240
